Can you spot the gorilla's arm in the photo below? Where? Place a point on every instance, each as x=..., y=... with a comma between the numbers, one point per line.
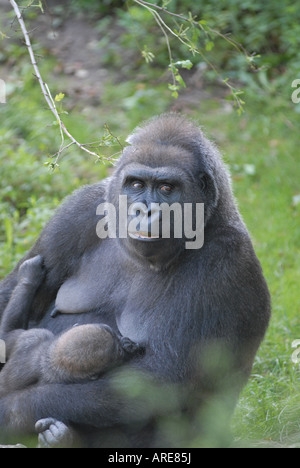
x=61, y=244
x=97, y=404
x=6, y=288
x=79, y=403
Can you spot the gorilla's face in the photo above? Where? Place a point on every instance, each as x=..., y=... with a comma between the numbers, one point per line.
x=157, y=189
x=149, y=233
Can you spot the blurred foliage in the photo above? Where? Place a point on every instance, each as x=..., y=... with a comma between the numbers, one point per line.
x=270, y=29
x=91, y=7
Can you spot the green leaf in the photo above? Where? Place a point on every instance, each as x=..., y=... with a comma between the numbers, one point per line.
x=8, y=225
x=187, y=64
x=166, y=3
x=51, y=165
x=203, y=25
x=173, y=87
x=180, y=80
x=59, y=97
x=148, y=56
x=209, y=46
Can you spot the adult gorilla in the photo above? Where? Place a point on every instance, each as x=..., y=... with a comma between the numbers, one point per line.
x=200, y=313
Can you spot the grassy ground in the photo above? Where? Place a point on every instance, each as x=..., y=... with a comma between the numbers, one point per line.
x=262, y=150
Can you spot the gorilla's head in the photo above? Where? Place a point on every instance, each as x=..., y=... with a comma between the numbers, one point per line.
x=168, y=161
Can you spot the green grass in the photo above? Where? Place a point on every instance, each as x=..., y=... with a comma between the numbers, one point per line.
x=262, y=150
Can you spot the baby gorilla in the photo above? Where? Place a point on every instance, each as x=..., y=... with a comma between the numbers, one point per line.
x=37, y=356
x=82, y=353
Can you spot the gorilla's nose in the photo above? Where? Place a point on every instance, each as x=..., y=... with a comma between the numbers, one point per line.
x=148, y=225
x=150, y=222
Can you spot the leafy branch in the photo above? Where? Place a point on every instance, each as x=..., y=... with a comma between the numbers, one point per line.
x=107, y=140
x=188, y=29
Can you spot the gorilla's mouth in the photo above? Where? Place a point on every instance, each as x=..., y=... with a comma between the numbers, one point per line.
x=145, y=236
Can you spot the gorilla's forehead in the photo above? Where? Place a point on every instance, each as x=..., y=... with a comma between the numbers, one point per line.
x=158, y=156
x=145, y=172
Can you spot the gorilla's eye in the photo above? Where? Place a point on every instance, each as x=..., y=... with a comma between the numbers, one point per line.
x=166, y=188
x=138, y=185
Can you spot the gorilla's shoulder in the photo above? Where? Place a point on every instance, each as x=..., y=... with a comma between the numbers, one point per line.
x=86, y=198
x=73, y=225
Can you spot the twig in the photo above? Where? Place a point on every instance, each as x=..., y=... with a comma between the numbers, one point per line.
x=191, y=20
x=153, y=5
x=154, y=9
x=46, y=92
x=106, y=126
x=163, y=27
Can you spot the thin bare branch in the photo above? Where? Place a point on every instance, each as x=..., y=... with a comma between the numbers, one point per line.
x=47, y=94
x=191, y=20
x=157, y=7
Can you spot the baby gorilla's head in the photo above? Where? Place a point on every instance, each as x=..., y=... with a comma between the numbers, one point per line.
x=85, y=352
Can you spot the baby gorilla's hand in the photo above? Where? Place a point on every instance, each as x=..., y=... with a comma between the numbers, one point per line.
x=55, y=434
x=32, y=272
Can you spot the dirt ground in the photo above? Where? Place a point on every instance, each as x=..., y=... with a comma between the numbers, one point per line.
x=73, y=40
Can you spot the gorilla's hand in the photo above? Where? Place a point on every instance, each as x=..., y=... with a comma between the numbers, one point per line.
x=55, y=434
x=130, y=347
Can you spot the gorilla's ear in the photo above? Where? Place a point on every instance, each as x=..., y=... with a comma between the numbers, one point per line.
x=210, y=191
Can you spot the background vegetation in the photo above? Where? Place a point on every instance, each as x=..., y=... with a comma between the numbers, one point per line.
x=261, y=147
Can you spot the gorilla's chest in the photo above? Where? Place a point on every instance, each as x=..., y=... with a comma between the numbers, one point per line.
x=99, y=283
x=106, y=283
